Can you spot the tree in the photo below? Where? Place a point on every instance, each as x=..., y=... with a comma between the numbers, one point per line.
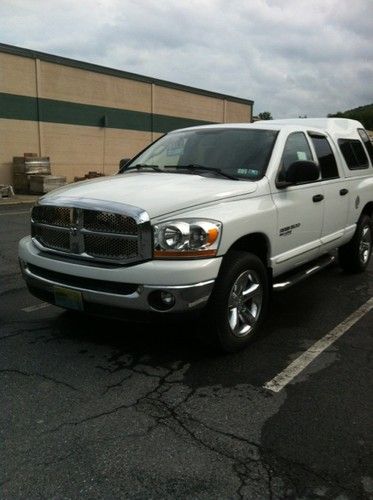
x=266, y=115
x=363, y=114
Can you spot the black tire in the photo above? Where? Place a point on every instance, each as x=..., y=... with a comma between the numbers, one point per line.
x=355, y=255
x=231, y=310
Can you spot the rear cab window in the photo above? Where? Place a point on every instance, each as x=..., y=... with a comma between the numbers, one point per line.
x=354, y=154
x=325, y=156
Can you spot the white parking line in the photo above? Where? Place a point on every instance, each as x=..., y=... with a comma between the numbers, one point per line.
x=35, y=308
x=15, y=213
x=300, y=363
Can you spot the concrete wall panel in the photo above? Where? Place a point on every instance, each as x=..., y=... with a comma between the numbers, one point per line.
x=86, y=87
x=176, y=103
x=17, y=75
x=237, y=113
x=123, y=144
x=17, y=137
x=73, y=150
x=76, y=150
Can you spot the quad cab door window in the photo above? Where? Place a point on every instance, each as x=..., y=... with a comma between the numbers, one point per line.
x=300, y=208
x=336, y=192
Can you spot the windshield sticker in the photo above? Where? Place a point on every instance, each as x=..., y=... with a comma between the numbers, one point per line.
x=302, y=156
x=175, y=147
x=248, y=172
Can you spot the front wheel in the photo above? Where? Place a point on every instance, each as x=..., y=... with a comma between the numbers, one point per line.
x=355, y=255
x=239, y=301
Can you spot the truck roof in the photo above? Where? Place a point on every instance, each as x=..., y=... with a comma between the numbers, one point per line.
x=337, y=127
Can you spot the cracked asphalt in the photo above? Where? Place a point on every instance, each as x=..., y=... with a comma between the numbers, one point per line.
x=95, y=408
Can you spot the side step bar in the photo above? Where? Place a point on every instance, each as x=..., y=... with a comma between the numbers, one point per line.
x=289, y=279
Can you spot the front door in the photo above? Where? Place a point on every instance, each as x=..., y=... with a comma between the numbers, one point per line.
x=299, y=211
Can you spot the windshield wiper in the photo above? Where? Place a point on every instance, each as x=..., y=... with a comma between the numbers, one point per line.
x=196, y=167
x=139, y=166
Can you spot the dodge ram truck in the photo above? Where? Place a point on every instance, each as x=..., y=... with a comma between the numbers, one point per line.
x=207, y=220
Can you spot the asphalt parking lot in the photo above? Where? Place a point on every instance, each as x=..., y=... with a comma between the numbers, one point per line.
x=94, y=408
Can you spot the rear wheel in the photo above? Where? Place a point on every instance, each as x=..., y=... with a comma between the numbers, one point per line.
x=239, y=301
x=355, y=255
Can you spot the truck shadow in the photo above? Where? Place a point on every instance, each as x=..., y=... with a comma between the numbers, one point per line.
x=297, y=318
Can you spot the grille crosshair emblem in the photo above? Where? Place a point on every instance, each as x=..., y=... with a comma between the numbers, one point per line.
x=76, y=238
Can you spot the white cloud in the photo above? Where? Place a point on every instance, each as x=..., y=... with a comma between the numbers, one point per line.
x=294, y=57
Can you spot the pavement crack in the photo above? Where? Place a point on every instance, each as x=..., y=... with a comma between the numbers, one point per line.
x=4, y=337
x=90, y=418
x=161, y=382
x=40, y=375
x=117, y=384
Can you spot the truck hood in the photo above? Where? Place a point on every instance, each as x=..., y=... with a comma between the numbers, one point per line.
x=157, y=193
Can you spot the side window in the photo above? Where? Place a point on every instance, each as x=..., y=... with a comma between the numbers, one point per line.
x=353, y=153
x=296, y=149
x=324, y=153
x=368, y=145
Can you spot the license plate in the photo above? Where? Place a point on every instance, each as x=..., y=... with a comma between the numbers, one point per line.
x=70, y=299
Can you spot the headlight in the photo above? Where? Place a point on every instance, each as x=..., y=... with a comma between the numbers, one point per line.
x=186, y=238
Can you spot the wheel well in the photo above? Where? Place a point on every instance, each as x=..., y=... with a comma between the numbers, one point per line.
x=368, y=209
x=256, y=243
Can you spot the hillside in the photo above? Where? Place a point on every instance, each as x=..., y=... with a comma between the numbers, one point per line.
x=363, y=114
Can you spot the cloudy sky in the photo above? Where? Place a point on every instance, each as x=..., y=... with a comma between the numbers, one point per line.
x=292, y=57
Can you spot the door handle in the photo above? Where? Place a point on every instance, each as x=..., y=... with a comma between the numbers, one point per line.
x=317, y=197
x=342, y=192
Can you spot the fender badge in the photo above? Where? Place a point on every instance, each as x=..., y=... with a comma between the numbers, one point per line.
x=357, y=202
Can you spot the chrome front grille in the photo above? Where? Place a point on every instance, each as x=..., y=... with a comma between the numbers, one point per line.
x=110, y=247
x=52, y=237
x=109, y=222
x=114, y=233
x=55, y=216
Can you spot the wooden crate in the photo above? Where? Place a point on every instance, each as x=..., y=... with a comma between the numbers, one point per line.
x=41, y=184
x=31, y=165
x=21, y=183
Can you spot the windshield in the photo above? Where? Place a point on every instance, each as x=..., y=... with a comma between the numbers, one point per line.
x=240, y=153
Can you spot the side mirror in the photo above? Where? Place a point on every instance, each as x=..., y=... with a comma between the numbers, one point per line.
x=123, y=162
x=299, y=172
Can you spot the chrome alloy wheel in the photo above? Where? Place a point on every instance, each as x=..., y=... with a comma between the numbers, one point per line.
x=245, y=303
x=365, y=245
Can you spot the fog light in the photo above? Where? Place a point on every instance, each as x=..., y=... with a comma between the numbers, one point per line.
x=161, y=300
x=167, y=298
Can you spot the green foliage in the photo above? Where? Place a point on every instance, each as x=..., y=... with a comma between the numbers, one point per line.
x=363, y=114
x=265, y=115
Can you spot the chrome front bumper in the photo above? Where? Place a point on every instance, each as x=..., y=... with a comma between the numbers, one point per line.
x=186, y=297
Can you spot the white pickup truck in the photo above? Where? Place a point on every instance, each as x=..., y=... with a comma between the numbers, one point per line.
x=208, y=219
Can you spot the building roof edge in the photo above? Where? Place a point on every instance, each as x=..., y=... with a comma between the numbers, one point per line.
x=65, y=61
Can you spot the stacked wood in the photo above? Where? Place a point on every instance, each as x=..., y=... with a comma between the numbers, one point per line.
x=41, y=184
x=90, y=175
x=32, y=174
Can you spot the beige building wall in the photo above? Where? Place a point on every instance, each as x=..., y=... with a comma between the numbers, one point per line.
x=237, y=113
x=172, y=102
x=76, y=149
x=16, y=137
x=86, y=87
x=17, y=75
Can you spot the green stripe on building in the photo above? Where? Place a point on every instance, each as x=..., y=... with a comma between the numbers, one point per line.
x=16, y=107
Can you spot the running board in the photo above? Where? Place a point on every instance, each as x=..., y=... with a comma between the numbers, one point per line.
x=291, y=278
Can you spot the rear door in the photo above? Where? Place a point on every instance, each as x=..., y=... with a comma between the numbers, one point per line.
x=336, y=191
